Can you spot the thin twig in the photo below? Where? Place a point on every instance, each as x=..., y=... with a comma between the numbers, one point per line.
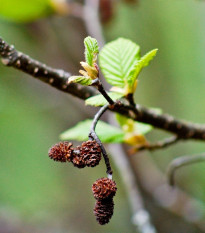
x=93, y=135
x=98, y=84
x=130, y=99
x=97, y=117
x=180, y=162
x=160, y=144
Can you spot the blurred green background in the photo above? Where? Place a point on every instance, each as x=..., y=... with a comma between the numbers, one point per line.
x=38, y=195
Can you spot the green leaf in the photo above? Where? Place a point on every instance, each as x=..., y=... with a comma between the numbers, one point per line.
x=91, y=50
x=117, y=59
x=99, y=100
x=105, y=132
x=139, y=65
x=86, y=81
x=24, y=10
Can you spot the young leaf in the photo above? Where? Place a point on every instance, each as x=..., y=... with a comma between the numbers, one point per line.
x=90, y=71
x=99, y=100
x=117, y=59
x=105, y=132
x=86, y=81
x=139, y=65
x=91, y=50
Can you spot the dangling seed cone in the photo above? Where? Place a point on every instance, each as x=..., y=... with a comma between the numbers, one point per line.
x=104, y=188
x=91, y=152
x=78, y=159
x=61, y=152
x=103, y=210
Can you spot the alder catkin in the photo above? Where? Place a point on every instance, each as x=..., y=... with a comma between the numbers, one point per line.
x=104, y=188
x=61, y=152
x=91, y=152
x=78, y=159
x=103, y=210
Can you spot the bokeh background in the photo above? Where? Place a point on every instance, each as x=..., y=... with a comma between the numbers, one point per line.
x=40, y=196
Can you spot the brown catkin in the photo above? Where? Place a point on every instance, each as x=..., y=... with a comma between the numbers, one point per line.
x=78, y=159
x=88, y=154
x=61, y=152
x=91, y=153
x=104, y=188
x=103, y=210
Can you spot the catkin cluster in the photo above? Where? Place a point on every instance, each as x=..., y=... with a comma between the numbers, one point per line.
x=88, y=154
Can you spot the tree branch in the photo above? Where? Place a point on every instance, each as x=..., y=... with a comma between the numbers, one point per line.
x=55, y=77
x=182, y=129
x=59, y=79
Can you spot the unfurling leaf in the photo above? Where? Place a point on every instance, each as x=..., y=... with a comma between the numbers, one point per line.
x=105, y=132
x=89, y=71
x=139, y=65
x=91, y=50
x=117, y=59
x=99, y=100
x=86, y=81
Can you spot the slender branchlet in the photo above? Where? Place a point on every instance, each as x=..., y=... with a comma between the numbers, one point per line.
x=160, y=144
x=180, y=162
x=98, y=84
x=93, y=136
x=130, y=99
